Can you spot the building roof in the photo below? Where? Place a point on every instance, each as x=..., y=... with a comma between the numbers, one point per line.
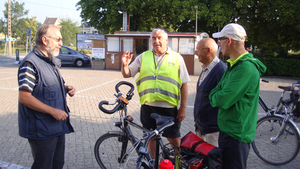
x=52, y=21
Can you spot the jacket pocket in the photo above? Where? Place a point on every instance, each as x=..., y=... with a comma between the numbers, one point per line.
x=47, y=125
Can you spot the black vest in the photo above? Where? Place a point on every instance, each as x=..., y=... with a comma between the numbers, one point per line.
x=49, y=90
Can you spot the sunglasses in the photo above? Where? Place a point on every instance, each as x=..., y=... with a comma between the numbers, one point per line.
x=57, y=39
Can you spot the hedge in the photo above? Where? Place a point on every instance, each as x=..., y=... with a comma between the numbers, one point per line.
x=281, y=66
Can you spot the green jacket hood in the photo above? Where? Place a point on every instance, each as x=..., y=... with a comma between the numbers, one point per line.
x=259, y=65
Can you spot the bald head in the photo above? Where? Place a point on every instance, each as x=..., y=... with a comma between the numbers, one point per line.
x=206, y=50
x=211, y=44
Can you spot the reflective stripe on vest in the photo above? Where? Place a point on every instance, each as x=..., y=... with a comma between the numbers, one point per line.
x=162, y=85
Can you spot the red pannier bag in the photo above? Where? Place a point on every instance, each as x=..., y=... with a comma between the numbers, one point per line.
x=211, y=155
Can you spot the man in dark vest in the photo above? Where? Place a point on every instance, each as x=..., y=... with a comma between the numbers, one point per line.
x=43, y=111
x=212, y=71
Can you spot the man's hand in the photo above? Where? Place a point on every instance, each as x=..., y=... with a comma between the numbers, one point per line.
x=181, y=114
x=59, y=114
x=70, y=90
x=30, y=101
x=126, y=58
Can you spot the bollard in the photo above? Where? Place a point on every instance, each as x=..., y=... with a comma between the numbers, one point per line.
x=17, y=54
x=17, y=57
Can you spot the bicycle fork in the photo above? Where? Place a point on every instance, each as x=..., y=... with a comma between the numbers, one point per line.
x=282, y=129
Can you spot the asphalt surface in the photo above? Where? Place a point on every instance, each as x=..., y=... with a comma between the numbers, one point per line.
x=89, y=122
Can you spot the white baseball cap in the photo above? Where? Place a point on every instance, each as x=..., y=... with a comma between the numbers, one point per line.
x=233, y=31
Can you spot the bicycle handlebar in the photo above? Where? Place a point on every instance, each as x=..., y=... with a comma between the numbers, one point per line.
x=120, y=99
x=124, y=83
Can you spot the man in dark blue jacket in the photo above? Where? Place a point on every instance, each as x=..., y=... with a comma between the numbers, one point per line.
x=212, y=71
x=43, y=112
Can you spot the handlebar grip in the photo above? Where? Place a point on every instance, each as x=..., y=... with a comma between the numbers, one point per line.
x=124, y=83
x=108, y=111
x=263, y=80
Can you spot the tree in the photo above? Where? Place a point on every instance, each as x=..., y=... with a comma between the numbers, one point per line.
x=107, y=15
x=31, y=23
x=269, y=23
x=68, y=31
x=272, y=24
x=173, y=15
x=17, y=12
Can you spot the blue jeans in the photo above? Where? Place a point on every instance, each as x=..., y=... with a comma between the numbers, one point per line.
x=48, y=154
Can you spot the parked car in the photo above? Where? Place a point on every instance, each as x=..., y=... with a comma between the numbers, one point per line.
x=69, y=56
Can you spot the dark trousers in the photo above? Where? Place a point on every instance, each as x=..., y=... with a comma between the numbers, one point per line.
x=234, y=153
x=48, y=154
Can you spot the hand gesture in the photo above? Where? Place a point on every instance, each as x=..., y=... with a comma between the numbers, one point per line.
x=126, y=58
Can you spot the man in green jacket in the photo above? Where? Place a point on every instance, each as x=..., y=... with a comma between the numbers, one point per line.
x=236, y=96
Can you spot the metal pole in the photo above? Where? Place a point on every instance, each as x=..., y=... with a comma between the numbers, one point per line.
x=196, y=7
x=9, y=27
x=196, y=22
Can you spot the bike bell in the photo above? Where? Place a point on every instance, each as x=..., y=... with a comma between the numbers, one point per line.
x=166, y=164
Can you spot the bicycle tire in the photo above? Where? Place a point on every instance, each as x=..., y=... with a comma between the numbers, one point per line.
x=279, y=152
x=108, y=151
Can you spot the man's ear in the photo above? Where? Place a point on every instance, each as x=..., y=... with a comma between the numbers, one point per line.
x=230, y=41
x=209, y=50
x=44, y=40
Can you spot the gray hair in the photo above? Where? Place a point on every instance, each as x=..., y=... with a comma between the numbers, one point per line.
x=165, y=34
x=42, y=32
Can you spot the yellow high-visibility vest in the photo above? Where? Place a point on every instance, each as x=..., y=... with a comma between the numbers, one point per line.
x=159, y=85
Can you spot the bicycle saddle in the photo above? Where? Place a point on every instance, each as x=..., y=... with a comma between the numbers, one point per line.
x=160, y=120
x=286, y=88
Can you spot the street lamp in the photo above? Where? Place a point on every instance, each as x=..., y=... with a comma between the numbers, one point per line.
x=196, y=7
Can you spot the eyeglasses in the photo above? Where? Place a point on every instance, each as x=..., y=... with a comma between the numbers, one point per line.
x=220, y=39
x=199, y=50
x=57, y=39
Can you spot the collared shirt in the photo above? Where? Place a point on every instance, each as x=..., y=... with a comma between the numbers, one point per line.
x=206, y=70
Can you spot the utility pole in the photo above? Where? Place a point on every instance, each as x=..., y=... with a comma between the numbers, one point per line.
x=196, y=7
x=9, y=27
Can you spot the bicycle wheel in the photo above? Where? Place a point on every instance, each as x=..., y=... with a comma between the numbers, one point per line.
x=280, y=151
x=108, y=149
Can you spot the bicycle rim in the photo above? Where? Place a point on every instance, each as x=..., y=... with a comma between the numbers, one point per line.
x=108, y=152
x=281, y=151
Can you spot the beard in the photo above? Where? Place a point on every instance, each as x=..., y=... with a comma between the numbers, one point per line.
x=51, y=52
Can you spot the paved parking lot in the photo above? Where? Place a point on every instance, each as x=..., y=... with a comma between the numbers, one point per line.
x=88, y=121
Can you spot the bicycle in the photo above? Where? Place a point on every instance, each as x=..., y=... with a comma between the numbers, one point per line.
x=277, y=137
x=111, y=148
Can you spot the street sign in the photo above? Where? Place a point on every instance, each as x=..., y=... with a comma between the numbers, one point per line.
x=11, y=39
x=29, y=32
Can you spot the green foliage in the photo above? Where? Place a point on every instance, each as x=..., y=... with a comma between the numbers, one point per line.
x=281, y=66
x=68, y=31
x=272, y=24
x=17, y=12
